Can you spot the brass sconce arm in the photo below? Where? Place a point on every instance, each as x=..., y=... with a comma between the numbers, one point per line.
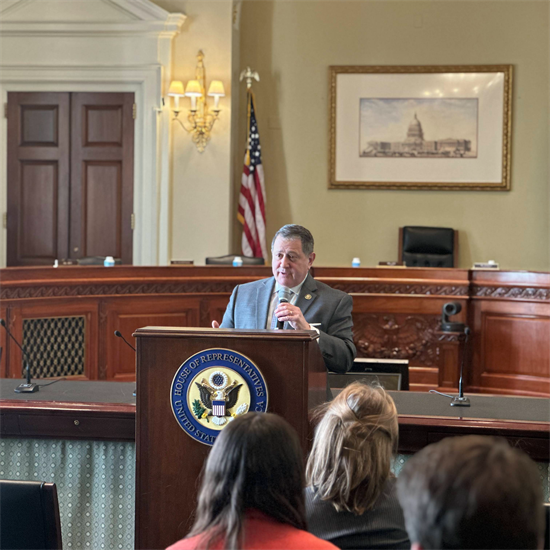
x=201, y=120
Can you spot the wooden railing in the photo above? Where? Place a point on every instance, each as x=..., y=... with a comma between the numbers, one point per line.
x=396, y=314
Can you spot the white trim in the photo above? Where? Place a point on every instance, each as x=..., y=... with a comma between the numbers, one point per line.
x=151, y=238
x=136, y=10
x=145, y=84
x=155, y=28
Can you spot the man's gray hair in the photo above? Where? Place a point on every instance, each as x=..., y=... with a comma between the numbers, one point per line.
x=292, y=231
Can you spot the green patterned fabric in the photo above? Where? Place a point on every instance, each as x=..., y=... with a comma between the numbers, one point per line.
x=95, y=484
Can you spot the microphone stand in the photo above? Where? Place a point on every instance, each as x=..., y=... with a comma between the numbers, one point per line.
x=118, y=334
x=28, y=387
x=460, y=400
x=449, y=309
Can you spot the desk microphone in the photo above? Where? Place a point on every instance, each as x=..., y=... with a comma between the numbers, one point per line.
x=28, y=387
x=449, y=309
x=118, y=334
x=462, y=401
x=284, y=298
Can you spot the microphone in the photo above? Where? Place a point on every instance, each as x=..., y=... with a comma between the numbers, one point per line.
x=28, y=387
x=462, y=401
x=284, y=298
x=118, y=334
x=452, y=308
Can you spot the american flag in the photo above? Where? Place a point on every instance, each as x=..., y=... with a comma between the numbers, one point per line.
x=218, y=408
x=252, y=198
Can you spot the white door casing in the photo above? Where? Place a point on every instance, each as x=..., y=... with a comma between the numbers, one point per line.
x=100, y=46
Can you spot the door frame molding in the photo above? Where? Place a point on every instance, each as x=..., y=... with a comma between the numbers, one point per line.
x=152, y=136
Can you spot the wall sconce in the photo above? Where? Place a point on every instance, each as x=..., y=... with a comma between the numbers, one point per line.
x=200, y=119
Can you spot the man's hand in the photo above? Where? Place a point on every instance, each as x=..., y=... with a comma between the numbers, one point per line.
x=215, y=324
x=292, y=314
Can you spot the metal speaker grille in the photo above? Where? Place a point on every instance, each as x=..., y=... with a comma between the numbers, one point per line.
x=55, y=346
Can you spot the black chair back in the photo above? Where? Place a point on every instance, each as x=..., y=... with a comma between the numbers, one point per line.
x=30, y=515
x=228, y=260
x=428, y=246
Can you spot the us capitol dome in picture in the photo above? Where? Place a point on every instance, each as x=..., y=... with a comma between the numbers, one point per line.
x=416, y=146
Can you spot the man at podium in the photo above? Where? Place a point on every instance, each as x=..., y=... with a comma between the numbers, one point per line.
x=292, y=299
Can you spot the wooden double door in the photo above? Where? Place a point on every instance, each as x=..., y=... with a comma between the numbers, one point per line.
x=70, y=176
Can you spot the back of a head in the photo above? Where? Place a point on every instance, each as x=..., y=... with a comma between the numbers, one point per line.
x=352, y=450
x=255, y=463
x=472, y=492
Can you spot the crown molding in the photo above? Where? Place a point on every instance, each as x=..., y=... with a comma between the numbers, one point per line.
x=141, y=17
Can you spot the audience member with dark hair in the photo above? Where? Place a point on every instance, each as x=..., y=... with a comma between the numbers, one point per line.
x=350, y=498
x=251, y=496
x=472, y=492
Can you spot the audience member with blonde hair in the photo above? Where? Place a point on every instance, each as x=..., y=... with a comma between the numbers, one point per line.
x=351, y=498
x=251, y=496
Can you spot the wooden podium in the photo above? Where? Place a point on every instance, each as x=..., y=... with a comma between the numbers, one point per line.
x=168, y=460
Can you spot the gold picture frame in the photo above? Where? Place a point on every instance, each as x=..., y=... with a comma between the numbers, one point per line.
x=371, y=146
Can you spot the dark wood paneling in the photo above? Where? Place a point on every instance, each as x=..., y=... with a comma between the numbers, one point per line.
x=87, y=308
x=102, y=182
x=510, y=313
x=103, y=124
x=511, y=345
x=38, y=176
x=38, y=210
x=168, y=461
x=127, y=316
x=102, y=175
x=396, y=312
x=39, y=125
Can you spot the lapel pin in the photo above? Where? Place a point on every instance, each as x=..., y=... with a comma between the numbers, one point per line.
x=307, y=296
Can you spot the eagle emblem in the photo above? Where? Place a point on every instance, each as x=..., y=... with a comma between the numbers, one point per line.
x=217, y=397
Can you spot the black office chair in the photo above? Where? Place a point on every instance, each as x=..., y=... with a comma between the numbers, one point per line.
x=30, y=515
x=428, y=246
x=228, y=260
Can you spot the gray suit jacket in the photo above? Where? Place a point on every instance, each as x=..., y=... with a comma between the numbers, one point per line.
x=249, y=304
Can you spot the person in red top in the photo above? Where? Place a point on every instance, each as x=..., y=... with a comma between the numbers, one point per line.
x=251, y=495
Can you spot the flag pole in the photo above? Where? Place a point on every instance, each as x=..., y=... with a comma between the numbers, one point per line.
x=252, y=197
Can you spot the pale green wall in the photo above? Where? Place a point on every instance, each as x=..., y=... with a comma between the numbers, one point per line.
x=292, y=43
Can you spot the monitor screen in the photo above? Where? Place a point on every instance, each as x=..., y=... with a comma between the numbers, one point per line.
x=391, y=374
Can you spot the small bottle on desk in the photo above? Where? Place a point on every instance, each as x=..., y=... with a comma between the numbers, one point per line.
x=356, y=262
x=237, y=261
x=109, y=261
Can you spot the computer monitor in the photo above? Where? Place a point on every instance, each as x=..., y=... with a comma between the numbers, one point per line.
x=391, y=374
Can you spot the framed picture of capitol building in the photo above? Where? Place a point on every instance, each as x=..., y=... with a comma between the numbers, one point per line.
x=425, y=127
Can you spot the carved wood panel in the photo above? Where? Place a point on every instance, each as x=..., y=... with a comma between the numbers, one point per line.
x=411, y=337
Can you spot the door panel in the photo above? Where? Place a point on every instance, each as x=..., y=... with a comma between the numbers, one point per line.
x=103, y=191
x=38, y=178
x=38, y=210
x=102, y=175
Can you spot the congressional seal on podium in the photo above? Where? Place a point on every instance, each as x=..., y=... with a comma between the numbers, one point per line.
x=213, y=387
